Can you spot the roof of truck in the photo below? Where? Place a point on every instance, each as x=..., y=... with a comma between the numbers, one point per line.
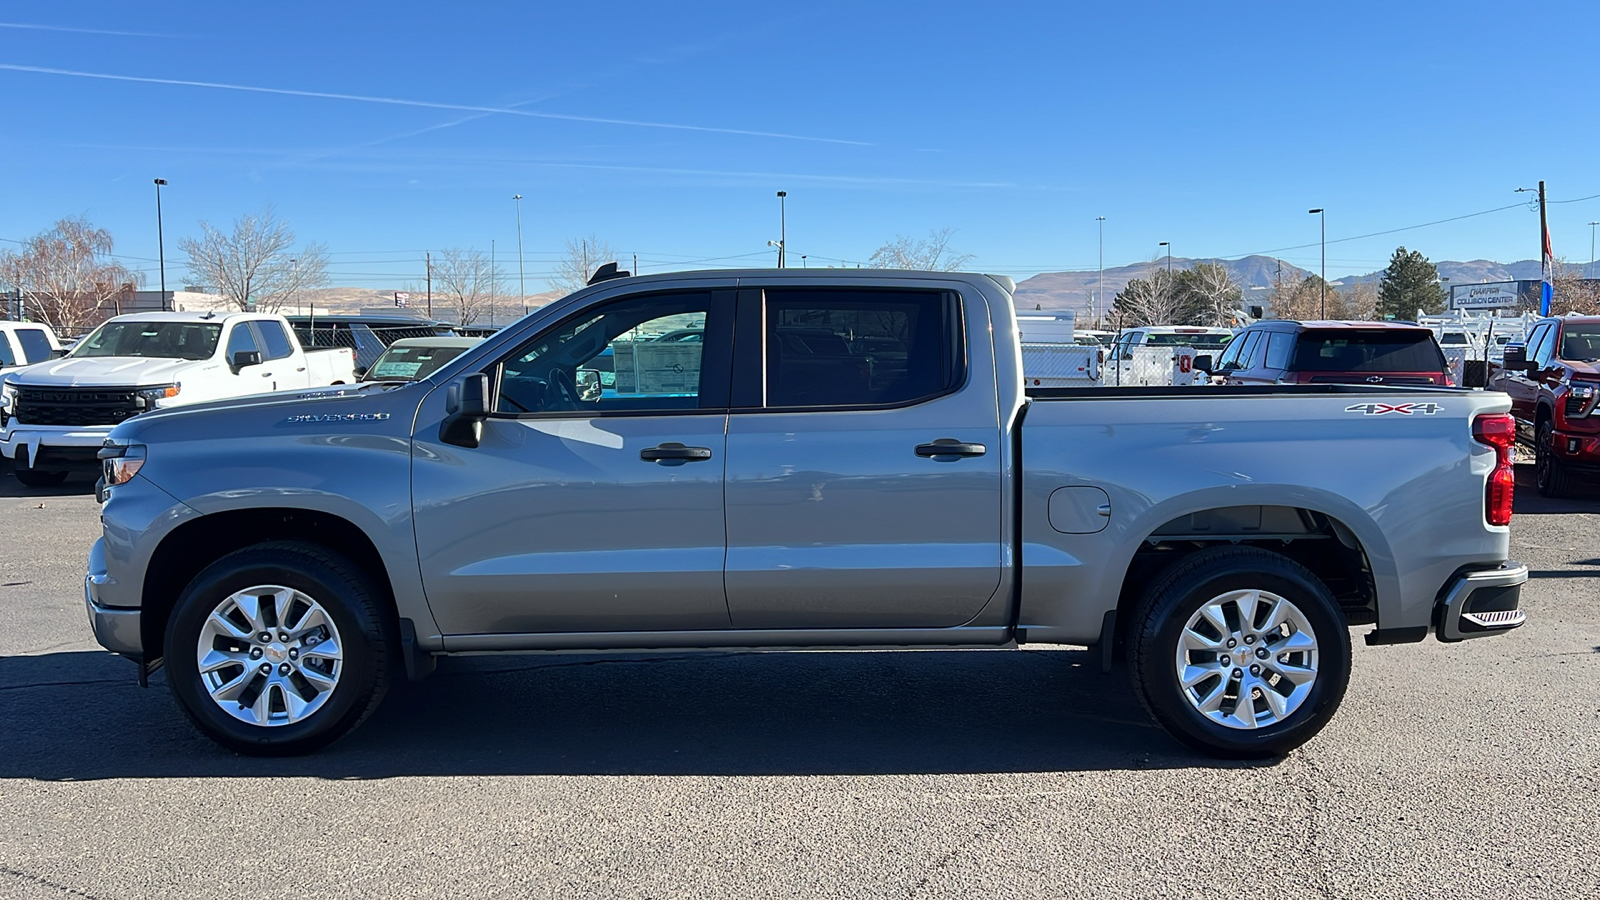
x=207, y=316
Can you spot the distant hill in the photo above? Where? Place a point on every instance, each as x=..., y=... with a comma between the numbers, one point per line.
x=1060, y=291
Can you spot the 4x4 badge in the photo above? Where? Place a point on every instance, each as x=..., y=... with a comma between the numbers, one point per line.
x=1404, y=409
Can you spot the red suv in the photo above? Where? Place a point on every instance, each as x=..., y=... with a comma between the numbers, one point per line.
x=1286, y=352
x=1553, y=379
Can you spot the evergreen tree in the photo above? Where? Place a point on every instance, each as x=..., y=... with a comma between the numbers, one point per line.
x=1409, y=283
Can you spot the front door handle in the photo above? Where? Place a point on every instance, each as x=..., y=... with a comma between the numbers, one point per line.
x=673, y=453
x=950, y=447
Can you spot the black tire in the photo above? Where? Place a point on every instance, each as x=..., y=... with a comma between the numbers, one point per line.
x=1175, y=595
x=1552, y=477
x=350, y=600
x=36, y=478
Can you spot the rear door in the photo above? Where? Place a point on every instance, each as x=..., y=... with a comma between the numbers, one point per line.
x=864, y=490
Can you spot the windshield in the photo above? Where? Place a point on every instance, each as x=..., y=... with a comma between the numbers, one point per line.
x=1580, y=343
x=1207, y=340
x=1367, y=351
x=410, y=363
x=156, y=340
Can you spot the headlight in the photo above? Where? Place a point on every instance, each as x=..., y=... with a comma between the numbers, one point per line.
x=8, y=397
x=152, y=396
x=120, y=462
x=1581, y=398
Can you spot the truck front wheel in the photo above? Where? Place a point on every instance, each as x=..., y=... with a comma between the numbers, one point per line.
x=1240, y=652
x=278, y=649
x=1551, y=474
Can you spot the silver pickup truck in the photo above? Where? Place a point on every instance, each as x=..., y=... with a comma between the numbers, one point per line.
x=795, y=459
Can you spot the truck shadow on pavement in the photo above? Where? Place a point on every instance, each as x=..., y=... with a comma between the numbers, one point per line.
x=79, y=716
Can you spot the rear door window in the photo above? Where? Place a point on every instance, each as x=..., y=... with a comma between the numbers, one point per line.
x=860, y=347
x=277, y=341
x=35, y=344
x=1387, y=350
x=1280, y=344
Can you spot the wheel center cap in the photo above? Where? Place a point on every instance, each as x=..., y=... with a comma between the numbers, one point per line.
x=277, y=653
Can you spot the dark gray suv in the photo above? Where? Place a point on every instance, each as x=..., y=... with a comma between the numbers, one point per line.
x=1287, y=352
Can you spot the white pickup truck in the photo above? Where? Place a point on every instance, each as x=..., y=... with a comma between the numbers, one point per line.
x=54, y=416
x=26, y=343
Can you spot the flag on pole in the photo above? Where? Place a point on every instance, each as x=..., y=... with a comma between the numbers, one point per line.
x=1547, y=273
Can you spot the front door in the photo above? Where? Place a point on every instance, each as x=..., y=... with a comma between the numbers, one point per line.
x=864, y=461
x=587, y=506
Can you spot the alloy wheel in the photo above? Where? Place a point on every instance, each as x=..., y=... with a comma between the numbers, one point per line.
x=1247, y=659
x=269, y=655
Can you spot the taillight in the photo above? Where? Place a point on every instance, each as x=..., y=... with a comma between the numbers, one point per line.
x=1500, y=432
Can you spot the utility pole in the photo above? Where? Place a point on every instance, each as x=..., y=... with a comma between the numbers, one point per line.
x=522, y=284
x=1546, y=261
x=430, y=284
x=161, y=246
x=1100, y=285
x=493, y=277
x=636, y=264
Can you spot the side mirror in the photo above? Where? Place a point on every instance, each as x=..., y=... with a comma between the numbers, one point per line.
x=361, y=371
x=244, y=358
x=588, y=382
x=1203, y=363
x=466, y=406
x=57, y=354
x=1516, y=358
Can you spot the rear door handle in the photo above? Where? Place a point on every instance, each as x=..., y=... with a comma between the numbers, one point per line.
x=673, y=453
x=950, y=447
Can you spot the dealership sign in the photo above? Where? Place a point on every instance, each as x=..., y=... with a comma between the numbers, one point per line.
x=1495, y=295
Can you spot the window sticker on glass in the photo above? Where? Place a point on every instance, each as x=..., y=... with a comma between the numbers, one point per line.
x=654, y=367
x=397, y=369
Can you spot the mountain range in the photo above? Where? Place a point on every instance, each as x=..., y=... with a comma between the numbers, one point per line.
x=1074, y=290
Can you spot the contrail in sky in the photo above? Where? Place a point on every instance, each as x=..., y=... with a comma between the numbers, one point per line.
x=81, y=30
x=427, y=104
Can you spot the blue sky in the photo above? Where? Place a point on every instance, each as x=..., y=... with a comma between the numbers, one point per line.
x=666, y=128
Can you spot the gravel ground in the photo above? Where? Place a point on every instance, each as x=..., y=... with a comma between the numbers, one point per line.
x=1470, y=770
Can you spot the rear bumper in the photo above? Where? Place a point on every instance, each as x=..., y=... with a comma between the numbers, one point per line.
x=1481, y=603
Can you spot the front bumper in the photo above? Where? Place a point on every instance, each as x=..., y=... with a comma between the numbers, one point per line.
x=1577, y=451
x=115, y=628
x=1482, y=603
x=64, y=445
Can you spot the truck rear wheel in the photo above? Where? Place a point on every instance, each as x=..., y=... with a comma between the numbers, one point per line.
x=1240, y=652
x=278, y=649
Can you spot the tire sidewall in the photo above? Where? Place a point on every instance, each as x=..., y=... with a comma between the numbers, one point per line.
x=1159, y=647
x=359, y=669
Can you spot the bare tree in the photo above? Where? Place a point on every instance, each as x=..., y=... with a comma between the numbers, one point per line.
x=65, y=277
x=583, y=256
x=1151, y=301
x=1572, y=292
x=257, y=266
x=1211, y=294
x=465, y=280
x=1359, y=301
x=931, y=254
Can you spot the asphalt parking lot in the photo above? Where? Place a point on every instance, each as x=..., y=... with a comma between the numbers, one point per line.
x=1470, y=770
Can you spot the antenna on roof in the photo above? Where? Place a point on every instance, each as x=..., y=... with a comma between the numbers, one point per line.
x=608, y=272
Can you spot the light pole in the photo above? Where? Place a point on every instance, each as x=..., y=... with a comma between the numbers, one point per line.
x=1100, y=284
x=1168, y=245
x=161, y=247
x=1324, y=215
x=522, y=284
x=783, y=226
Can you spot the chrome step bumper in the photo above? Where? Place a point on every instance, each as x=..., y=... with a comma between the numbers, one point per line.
x=1482, y=603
